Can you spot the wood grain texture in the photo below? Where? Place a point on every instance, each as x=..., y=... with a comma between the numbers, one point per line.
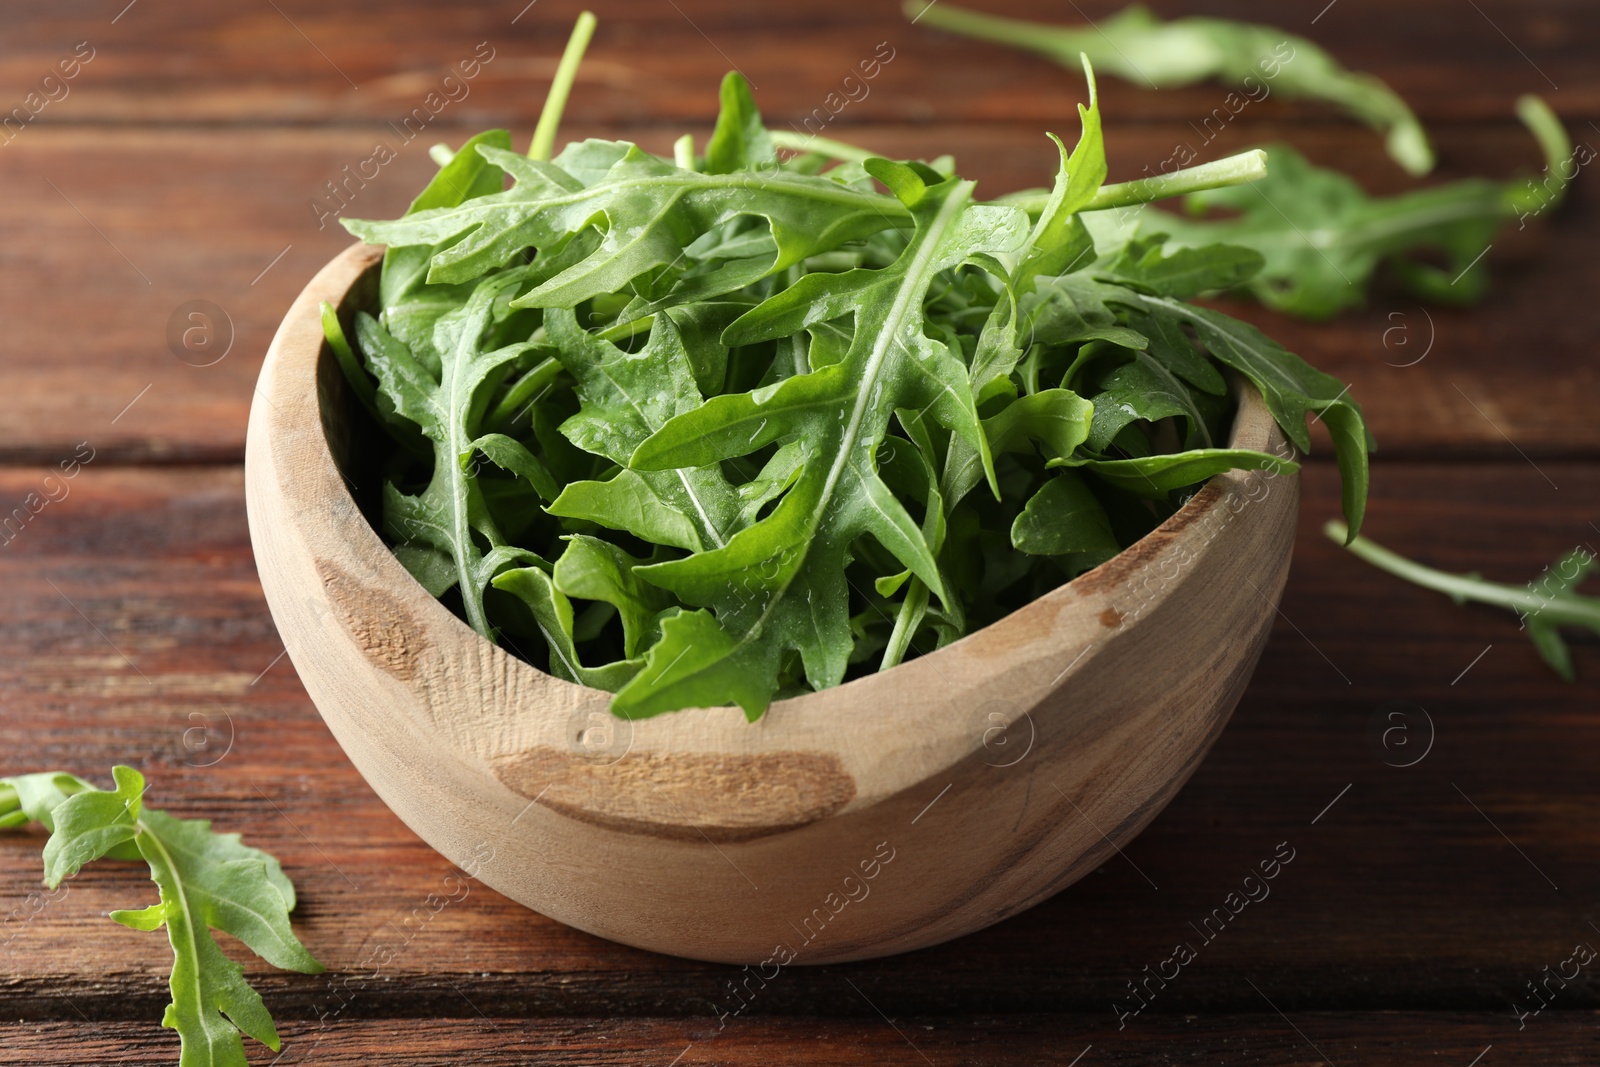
x=204, y=214
x=1390, y=1039
x=653, y=62
x=1402, y=896
x=133, y=627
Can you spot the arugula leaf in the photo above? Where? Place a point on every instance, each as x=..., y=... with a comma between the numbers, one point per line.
x=739, y=141
x=1292, y=388
x=779, y=583
x=592, y=569
x=1156, y=476
x=1057, y=245
x=627, y=398
x=34, y=797
x=207, y=881
x=1138, y=46
x=1062, y=517
x=545, y=612
x=1183, y=273
x=1143, y=389
x=447, y=520
x=1542, y=609
x=1322, y=237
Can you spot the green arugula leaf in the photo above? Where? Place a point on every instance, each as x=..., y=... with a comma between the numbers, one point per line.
x=34, y=797
x=592, y=569
x=1170, y=346
x=1057, y=245
x=207, y=881
x=1143, y=388
x=1058, y=419
x=1073, y=308
x=1136, y=45
x=739, y=142
x=92, y=823
x=1156, y=476
x=697, y=663
x=1292, y=388
x=1322, y=237
x=1543, y=606
x=447, y=520
x=1064, y=517
x=541, y=610
x=627, y=398
x=1144, y=263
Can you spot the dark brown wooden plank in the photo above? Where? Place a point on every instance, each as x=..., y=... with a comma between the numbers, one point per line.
x=111, y=232
x=1392, y=1039
x=652, y=62
x=133, y=621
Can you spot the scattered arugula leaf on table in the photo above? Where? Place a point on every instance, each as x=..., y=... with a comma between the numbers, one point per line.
x=725, y=428
x=1139, y=47
x=1322, y=237
x=206, y=881
x=1543, y=607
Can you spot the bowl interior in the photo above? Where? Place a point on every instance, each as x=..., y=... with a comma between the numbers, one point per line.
x=353, y=442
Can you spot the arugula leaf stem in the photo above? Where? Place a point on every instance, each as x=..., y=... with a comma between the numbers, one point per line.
x=683, y=152
x=621, y=331
x=523, y=390
x=145, y=833
x=810, y=142
x=460, y=524
x=1556, y=146
x=1240, y=169
x=544, y=134
x=1032, y=36
x=1566, y=608
x=1546, y=128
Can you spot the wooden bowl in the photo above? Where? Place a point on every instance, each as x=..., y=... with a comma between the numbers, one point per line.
x=895, y=811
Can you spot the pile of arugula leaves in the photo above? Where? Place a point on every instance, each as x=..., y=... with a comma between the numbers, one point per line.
x=207, y=881
x=729, y=427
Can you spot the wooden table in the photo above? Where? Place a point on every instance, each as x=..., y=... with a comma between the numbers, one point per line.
x=183, y=165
